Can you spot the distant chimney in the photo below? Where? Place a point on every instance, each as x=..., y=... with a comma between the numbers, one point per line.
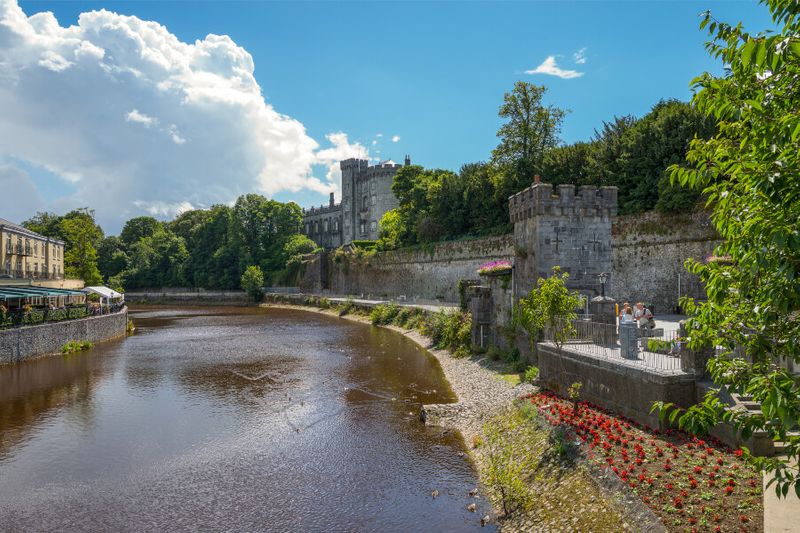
x=331, y=200
x=537, y=179
x=407, y=162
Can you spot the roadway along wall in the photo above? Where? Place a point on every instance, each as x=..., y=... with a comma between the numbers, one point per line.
x=19, y=344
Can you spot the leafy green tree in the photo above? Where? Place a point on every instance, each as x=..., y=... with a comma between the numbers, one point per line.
x=569, y=164
x=389, y=230
x=157, y=261
x=80, y=256
x=47, y=224
x=111, y=257
x=530, y=130
x=748, y=171
x=138, y=228
x=549, y=306
x=253, y=282
x=299, y=245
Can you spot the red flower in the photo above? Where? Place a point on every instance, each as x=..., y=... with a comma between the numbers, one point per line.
x=677, y=502
x=667, y=467
x=698, y=470
x=738, y=453
x=744, y=518
x=717, y=518
x=693, y=484
x=717, y=529
x=728, y=490
x=692, y=520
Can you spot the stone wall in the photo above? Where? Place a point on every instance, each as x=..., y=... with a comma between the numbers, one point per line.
x=184, y=296
x=424, y=273
x=649, y=252
x=622, y=389
x=18, y=344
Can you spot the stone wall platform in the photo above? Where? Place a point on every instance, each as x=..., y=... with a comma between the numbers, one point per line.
x=627, y=390
x=19, y=344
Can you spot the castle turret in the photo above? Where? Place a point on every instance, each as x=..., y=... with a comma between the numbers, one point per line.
x=407, y=161
x=331, y=201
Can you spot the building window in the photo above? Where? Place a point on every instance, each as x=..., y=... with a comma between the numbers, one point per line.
x=325, y=226
x=373, y=225
x=335, y=225
x=363, y=227
x=366, y=199
x=372, y=200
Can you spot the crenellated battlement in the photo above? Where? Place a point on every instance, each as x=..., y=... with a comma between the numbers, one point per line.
x=323, y=209
x=542, y=199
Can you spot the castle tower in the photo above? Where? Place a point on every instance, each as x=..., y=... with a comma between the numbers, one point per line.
x=407, y=161
x=560, y=228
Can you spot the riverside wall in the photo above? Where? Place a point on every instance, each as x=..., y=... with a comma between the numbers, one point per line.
x=648, y=253
x=428, y=273
x=19, y=344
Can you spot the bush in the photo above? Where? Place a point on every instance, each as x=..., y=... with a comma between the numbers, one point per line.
x=347, y=307
x=494, y=353
x=384, y=314
x=449, y=330
x=252, y=282
x=507, y=462
x=75, y=346
x=531, y=374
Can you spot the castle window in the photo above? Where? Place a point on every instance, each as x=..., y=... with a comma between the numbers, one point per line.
x=365, y=204
x=335, y=225
x=373, y=225
x=372, y=200
x=326, y=226
x=363, y=227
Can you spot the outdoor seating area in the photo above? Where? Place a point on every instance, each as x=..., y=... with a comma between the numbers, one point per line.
x=637, y=347
x=24, y=305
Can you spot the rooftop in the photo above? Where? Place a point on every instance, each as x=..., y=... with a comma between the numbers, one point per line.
x=16, y=228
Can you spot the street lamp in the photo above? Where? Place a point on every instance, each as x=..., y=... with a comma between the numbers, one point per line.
x=603, y=277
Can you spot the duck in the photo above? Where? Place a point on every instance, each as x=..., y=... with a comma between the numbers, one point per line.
x=472, y=508
x=434, y=493
x=485, y=520
x=474, y=492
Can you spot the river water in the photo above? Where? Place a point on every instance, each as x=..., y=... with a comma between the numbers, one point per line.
x=238, y=419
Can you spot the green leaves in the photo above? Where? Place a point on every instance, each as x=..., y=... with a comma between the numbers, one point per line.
x=748, y=173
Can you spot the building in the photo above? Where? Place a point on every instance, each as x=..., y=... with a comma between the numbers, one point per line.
x=25, y=254
x=366, y=196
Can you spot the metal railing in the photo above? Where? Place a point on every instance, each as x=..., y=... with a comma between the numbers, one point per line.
x=651, y=349
x=18, y=318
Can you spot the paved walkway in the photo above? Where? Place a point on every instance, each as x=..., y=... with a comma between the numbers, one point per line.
x=780, y=515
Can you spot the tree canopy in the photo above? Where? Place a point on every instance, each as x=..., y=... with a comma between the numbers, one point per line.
x=748, y=171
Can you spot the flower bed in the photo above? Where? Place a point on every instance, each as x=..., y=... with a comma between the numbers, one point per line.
x=495, y=268
x=691, y=484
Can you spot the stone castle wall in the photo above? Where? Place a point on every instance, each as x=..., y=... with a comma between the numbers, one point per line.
x=18, y=344
x=649, y=251
x=424, y=273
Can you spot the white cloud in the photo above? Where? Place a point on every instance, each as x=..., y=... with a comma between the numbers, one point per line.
x=580, y=56
x=163, y=209
x=395, y=138
x=205, y=133
x=140, y=118
x=330, y=157
x=550, y=68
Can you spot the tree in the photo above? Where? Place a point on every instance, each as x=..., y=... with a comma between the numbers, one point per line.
x=80, y=256
x=138, y=228
x=253, y=282
x=748, y=172
x=389, y=230
x=47, y=224
x=111, y=257
x=530, y=130
x=549, y=306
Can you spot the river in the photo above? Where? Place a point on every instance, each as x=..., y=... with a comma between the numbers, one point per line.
x=240, y=419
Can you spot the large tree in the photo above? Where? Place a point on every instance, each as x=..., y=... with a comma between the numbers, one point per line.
x=531, y=128
x=749, y=173
x=80, y=257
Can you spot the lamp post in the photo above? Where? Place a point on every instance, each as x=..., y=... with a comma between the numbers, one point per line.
x=603, y=277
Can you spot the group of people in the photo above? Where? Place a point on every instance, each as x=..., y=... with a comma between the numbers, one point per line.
x=638, y=314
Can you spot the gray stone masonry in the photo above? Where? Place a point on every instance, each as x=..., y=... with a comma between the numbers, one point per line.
x=18, y=344
x=560, y=228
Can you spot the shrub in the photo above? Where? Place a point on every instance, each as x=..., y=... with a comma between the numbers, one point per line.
x=507, y=462
x=347, y=307
x=462, y=352
x=75, y=346
x=531, y=374
x=252, y=282
x=384, y=314
x=494, y=353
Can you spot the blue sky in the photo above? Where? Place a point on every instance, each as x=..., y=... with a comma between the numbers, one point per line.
x=431, y=73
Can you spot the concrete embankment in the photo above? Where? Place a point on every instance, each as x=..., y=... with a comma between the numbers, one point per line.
x=187, y=297
x=19, y=344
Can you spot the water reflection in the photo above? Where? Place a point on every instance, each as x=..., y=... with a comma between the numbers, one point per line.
x=231, y=419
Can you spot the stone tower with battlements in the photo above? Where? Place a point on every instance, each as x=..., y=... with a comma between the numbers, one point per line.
x=366, y=196
x=559, y=227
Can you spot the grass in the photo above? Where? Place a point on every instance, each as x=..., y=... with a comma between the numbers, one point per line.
x=75, y=346
x=543, y=490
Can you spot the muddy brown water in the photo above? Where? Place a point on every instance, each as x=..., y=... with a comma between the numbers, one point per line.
x=237, y=419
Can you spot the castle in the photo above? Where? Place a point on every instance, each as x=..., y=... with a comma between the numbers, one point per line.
x=366, y=196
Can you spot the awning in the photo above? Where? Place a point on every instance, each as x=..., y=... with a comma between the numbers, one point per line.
x=105, y=292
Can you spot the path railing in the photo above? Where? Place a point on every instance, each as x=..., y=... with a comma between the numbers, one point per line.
x=646, y=348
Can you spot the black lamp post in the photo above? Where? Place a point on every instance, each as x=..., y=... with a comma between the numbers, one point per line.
x=603, y=277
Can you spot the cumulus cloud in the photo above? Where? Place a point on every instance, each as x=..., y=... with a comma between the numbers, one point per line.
x=395, y=138
x=550, y=68
x=580, y=56
x=139, y=121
